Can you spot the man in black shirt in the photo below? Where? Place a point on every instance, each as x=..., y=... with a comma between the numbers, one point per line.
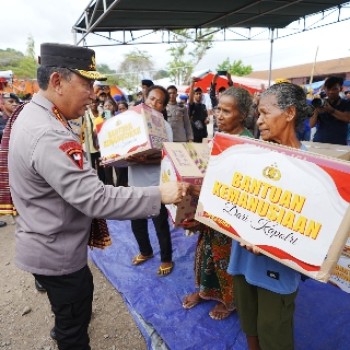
x=198, y=113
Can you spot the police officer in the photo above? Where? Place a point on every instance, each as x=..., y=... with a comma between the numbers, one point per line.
x=56, y=192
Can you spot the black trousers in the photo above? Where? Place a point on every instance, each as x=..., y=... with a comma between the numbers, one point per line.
x=161, y=224
x=71, y=298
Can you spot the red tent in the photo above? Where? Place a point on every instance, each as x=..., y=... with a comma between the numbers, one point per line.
x=206, y=79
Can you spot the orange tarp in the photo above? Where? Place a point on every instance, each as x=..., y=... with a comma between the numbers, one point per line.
x=115, y=90
x=22, y=87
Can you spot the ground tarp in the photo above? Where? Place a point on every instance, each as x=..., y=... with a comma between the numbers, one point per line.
x=322, y=314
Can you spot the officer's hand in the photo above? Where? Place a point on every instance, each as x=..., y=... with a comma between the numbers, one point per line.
x=173, y=192
x=135, y=158
x=154, y=158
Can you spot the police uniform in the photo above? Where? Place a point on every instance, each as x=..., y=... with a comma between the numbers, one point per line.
x=180, y=122
x=56, y=193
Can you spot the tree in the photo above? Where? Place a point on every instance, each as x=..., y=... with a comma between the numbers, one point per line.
x=30, y=52
x=23, y=66
x=10, y=58
x=110, y=73
x=182, y=64
x=235, y=68
x=135, y=66
x=161, y=74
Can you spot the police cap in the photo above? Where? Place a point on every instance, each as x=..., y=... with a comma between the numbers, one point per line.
x=80, y=60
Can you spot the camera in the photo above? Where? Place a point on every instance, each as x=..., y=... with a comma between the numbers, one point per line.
x=318, y=102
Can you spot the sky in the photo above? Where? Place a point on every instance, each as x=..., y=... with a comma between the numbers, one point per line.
x=52, y=21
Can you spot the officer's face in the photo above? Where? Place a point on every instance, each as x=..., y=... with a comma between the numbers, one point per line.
x=172, y=95
x=77, y=93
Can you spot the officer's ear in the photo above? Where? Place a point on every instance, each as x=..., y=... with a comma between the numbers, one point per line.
x=56, y=82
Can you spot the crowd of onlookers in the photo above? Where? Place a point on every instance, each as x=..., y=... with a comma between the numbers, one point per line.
x=190, y=115
x=231, y=275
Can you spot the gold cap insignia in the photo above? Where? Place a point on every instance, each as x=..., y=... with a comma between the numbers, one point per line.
x=93, y=63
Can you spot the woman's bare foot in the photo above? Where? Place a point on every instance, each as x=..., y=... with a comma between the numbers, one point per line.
x=191, y=300
x=220, y=312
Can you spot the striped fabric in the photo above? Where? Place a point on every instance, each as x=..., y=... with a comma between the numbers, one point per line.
x=6, y=204
x=99, y=235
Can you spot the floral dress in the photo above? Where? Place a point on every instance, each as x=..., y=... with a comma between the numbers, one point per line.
x=211, y=262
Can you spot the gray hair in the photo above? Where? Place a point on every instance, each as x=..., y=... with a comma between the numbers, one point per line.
x=243, y=99
x=44, y=73
x=290, y=95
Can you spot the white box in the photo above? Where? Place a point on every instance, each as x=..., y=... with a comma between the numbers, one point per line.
x=140, y=130
x=290, y=204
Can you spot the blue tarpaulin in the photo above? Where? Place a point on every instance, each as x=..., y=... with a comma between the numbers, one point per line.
x=322, y=314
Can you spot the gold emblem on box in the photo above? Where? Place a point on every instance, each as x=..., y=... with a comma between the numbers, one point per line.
x=272, y=172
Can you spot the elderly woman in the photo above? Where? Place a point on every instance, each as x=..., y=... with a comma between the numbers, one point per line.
x=265, y=290
x=214, y=248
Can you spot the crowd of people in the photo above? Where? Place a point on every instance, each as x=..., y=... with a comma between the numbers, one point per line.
x=50, y=160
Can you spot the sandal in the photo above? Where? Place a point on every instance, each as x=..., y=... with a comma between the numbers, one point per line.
x=140, y=259
x=165, y=270
x=220, y=312
x=191, y=300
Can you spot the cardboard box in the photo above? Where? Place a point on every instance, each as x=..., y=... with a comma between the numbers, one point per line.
x=328, y=149
x=346, y=249
x=291, y=204
x=184, y=162
x=340, y=276
x=140, y=130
